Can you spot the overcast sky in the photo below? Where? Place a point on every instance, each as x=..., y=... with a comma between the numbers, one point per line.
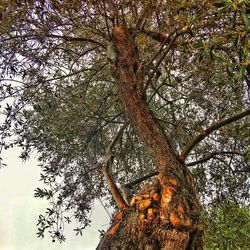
x=19, y=211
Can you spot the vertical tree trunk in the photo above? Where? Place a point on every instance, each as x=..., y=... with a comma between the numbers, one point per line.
x=166, y=214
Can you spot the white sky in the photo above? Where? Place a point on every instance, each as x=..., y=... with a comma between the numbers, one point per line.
x=19, y=211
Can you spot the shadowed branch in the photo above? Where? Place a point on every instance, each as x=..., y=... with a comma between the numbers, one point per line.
x=202, y=135
x=189, y=164
x=106, y=170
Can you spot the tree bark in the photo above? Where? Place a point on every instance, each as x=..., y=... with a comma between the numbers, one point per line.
x=166, y=213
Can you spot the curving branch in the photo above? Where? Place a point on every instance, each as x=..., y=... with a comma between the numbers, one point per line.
x=211, y=155
x=106, y=170
x=203, y=134
x=113, y=143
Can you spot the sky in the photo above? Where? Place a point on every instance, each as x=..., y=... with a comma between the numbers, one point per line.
x=19, y=210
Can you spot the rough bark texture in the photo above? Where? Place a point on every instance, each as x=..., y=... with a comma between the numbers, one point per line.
x=166, y=213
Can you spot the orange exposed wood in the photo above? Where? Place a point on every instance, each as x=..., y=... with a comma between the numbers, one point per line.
x=181, y=209
x=113, y=229
x=118, y=216
x=173, y=181
x=142, y=217
x=156, y=197
x=133, y=201
x=144, y=204
x=150, y=210
x=178, y=223
x=167, y=194
x=151, y=213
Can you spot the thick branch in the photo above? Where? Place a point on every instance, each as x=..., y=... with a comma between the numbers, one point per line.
x=113, y=143
x=106, y=170
x=211, y=129
x=139, y=180
x=114, y=189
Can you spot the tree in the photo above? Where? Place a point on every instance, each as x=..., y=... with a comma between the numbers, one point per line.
x=115, y=92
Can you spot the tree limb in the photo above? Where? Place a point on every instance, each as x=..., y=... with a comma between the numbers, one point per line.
x=211, y=155
x=203, y=134
x=163, y=43
x=113, y=143
x=137, y=181
x=160, y=61
x=189, y=164
x=106, y=170
x=170, y=42
x=106, y=19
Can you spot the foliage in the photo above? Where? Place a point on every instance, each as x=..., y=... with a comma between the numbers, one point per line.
x=228, y=227
x=59, y=99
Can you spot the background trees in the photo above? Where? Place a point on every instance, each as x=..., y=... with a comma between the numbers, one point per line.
x=60, y=99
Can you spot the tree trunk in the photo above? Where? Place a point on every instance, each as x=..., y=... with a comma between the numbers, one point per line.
x=166, y=213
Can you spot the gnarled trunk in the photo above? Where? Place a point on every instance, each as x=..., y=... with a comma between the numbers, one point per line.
x=166, y=213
